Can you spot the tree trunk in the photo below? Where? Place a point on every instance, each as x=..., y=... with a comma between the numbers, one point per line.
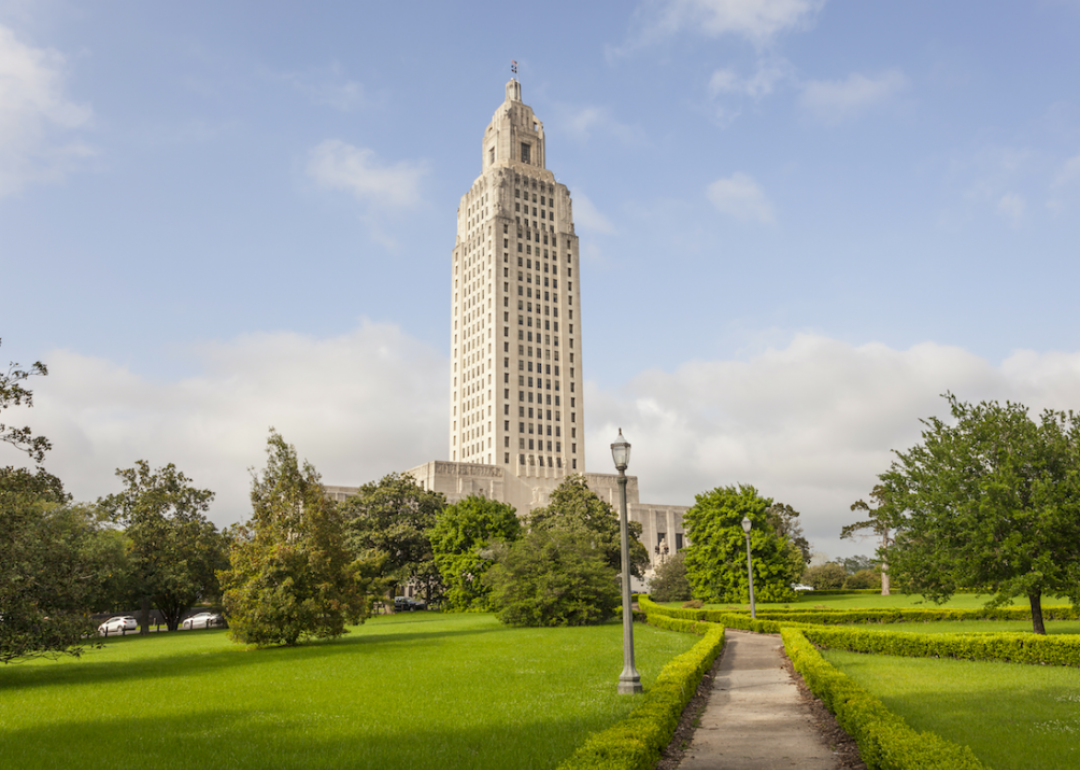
x=144, y=616
x=884, y=579
x=1036, y=613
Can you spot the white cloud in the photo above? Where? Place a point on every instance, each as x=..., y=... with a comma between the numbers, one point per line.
x=585, y=122
x=337, y=165
x=34, y=116
x=811, y=423
x=1012, y=209
x=329, y=86
x=757, y=20
x=834, y=101
x=760, y=84
x=587, y=217
x=1068, y=173
x=740, y=196
x=358, y=406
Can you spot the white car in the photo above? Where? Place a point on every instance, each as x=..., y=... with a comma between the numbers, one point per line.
x=121, y=624
x=203, y=620
x=801, y=587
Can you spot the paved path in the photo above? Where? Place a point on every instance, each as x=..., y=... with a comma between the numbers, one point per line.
x=755, y=718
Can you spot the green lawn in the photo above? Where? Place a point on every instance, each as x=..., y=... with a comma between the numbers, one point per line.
x=1013, y=716
x=976, y=626
x=409, y=691
x=875, y=601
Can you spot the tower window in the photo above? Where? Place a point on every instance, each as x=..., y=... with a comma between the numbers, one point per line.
x=525, y=152
x=491, y=155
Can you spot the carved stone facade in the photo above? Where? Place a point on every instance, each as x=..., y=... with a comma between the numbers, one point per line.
x=516, y=405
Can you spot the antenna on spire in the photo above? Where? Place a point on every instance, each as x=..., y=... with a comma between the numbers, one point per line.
x=513, y=66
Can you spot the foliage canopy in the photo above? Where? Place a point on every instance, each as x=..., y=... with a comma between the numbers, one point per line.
x=990, y=503
x=716, y=558
x=462, y=541
x=290, y=575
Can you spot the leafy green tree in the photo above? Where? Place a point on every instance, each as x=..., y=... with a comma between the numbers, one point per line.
x=877, y=523
x=989, y=503
x=390, y=520
x=14, y=393
x=572, y=502
x=716, y=558
x=290, y=574
x=175, y=550
x=462, y=541
x=824, y=577
x=785, y=522
x=864, y=578
x=554, y=576
x=669, y=583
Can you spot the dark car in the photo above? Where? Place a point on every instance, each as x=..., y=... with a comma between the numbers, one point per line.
x=406, y=604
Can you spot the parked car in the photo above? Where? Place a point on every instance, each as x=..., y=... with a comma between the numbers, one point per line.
x=203, y=620
x=801, y=587
x=119, y=625
x=406, y=604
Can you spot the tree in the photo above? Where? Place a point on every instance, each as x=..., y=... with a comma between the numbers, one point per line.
x=554, y=576
x=175, y=550
x=669, y=583
x=784, y=521
x=716, y=558
x=989, y=503
x=878, y=523
x=13, y=393
x=824, y=577
x=462, y=541
x=573, y=502
x=390, y=520
x=290, y=574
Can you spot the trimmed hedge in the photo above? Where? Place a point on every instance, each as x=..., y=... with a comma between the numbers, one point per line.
x=636, y=742
x=1005, y=647
x=886, y=741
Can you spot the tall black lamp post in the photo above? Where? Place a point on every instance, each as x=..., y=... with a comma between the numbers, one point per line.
x=749, y=566
x=629, y=679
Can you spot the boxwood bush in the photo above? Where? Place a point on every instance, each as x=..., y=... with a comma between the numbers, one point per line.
x=886, y=741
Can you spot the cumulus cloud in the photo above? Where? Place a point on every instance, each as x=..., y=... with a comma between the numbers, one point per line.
x=584, y=122
x=36, y=117
x=358, y=406
x=756, y=20
x=337, y=165
x=588, y=217
x=835, y=101
x=811, y=424
x=741, y=197
x=762, y=83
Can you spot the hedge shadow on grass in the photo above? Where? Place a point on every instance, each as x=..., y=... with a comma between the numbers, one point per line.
x=238, y=739
x=198, y=663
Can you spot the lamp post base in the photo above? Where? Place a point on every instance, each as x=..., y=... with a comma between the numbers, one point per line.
x=629, y=683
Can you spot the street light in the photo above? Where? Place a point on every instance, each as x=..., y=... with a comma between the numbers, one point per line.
x=749, y=566
x=629, y=679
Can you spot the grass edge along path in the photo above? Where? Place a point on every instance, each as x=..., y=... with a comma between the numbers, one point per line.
x=637, y=741
x=885, y=740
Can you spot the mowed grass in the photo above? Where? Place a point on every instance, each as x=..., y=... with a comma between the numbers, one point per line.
x=807, y=601
x=408, y=691
x=1013, y=716
x=976, y=626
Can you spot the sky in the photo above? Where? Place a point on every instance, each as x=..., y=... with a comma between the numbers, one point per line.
x=800, y=221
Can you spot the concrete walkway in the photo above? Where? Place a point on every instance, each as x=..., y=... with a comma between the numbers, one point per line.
x=755, y=718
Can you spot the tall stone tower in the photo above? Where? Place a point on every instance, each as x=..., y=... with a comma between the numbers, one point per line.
x=515, y=389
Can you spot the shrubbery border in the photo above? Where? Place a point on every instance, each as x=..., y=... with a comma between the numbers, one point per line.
x=636, y=742
x=885, y=740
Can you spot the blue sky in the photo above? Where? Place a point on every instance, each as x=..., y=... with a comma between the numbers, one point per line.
x=800, y=223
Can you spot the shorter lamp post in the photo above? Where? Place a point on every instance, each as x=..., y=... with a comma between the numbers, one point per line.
x=629, y=679
x=749, y=566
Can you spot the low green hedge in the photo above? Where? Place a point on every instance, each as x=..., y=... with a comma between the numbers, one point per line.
x=636, y=742
x=1006, y=647
x=723, y=617
x=886, y=741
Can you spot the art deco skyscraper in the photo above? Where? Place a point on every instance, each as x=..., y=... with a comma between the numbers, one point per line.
x=515, y=395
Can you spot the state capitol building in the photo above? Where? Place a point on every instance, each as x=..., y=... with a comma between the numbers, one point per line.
x=516, y=402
